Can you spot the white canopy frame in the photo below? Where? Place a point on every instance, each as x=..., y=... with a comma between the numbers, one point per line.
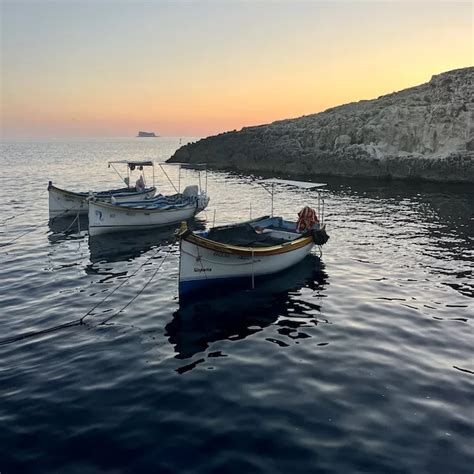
x=269, y=186
x=131, y=166
x=199, y=167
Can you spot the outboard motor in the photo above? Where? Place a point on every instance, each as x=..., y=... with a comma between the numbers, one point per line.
x=191, y=191
x=200, y=198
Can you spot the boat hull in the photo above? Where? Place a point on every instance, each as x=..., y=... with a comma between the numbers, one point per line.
x=68, y=203
x=105, y=218
x=206, y=267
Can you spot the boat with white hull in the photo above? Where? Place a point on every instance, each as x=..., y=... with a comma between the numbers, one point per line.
x=70, y=203
x=236, y=255
x=240, y=253
x=160, y=211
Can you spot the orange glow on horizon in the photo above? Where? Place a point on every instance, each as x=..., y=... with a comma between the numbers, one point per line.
x=199, y=92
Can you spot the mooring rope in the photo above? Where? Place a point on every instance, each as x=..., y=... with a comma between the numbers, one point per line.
x=72, y=223
x=12, y=217
x=80, y=321
x=30, y=334
x=21, y=235
x=36, y=227
x=105, y=321
x=120, y=285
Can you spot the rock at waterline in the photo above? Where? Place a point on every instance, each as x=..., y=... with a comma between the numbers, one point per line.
x=424, y=132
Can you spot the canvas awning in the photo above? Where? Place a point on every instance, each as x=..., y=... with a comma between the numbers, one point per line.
x=131, y=163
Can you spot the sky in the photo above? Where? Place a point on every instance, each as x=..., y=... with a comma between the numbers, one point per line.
x=196, y=68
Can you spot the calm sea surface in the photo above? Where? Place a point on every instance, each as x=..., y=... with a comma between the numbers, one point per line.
x=360, y=362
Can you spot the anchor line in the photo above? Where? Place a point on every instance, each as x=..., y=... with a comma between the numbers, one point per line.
x=12, y=217
x=80, y=321
x=105, y=321
x=22, y=235
x=36, y=227
x=72, y=223
x=28, y=335
x=120, y=285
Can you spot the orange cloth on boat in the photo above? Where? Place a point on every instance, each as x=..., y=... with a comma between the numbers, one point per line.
x=306, y=219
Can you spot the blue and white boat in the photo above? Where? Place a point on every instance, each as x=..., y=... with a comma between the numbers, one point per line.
x=238, y=254
x=160, y=211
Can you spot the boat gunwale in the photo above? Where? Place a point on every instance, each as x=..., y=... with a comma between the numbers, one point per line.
x=85, y=195
x=117, y=207
x=247, y=251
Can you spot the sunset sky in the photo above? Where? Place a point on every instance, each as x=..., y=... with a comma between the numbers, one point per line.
x=195, y=68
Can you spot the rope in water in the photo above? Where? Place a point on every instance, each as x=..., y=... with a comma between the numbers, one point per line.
x=12, y=217
x=80, y=321
x=105, y=321
x=37, y=226
x=123, y=283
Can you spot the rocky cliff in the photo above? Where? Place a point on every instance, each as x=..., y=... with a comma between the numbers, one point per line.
x=424, y=132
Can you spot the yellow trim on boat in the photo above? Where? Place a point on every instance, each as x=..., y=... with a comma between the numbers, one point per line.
x=247, y=251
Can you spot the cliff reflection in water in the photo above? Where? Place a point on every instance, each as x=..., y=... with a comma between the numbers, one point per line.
x=433, y=220
x=242, y=313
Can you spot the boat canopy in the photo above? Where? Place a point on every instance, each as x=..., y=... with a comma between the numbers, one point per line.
x=269, y=186
x=131, y=163
x=299, y=184
x=192, y=166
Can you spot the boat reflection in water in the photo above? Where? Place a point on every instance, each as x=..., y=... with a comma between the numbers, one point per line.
x=238, y=314
x=122, y=246
x=128, y=245
x=67, y=228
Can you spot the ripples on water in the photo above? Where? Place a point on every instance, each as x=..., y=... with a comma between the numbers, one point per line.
x=360, y=362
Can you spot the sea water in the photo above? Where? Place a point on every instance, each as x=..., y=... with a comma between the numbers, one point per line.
x=360, y=361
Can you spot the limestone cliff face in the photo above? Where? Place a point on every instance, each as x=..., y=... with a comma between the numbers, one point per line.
x=425, y=132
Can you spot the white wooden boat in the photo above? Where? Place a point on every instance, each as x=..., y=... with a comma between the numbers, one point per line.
x=238, y=254
x=159, y=211
x=70, y=203
x=67, y=203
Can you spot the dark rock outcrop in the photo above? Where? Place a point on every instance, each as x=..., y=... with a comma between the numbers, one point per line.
x=424, y=132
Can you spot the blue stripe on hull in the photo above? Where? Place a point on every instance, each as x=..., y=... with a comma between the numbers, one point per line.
x=207, y=287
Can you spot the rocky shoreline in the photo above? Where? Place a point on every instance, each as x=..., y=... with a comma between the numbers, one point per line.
x=421, y=133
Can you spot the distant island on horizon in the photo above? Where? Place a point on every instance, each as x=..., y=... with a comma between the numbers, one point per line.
x=142, y=134
x=420, y=133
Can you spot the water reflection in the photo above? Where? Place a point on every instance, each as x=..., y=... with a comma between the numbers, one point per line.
x=67, y=228
x=242, y=313
x=434, y=220
x=123, y=246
